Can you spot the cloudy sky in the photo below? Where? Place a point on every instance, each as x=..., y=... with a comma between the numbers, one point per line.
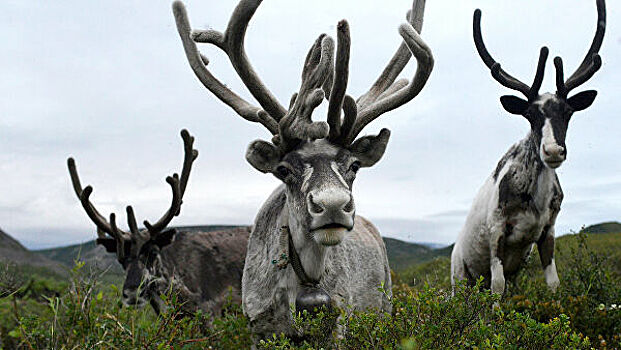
x=108, y=83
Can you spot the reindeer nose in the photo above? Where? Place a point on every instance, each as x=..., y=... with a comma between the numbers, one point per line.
x=130, y=296
x=331, y=208
x=328, y=202
x=554, y=151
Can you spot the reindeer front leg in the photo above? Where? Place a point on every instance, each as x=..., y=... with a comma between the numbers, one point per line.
x=545, y=245
x=496, y=251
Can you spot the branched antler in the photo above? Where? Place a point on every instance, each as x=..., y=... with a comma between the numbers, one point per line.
x=504, y=78
x=591, y=63
x=177, y=184
x=320, y=78
x=198, y=62
x=297, y=124
x=388, y=93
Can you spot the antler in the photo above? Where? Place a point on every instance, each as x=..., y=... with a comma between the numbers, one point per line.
x=504, y=78
x=177, y=184
x=592, y=61
x=297, y=124
x=232, y=43
x=320, y=78
x=387, y=94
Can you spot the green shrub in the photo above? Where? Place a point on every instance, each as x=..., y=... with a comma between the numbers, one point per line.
x=590, y=292
x=584, y=313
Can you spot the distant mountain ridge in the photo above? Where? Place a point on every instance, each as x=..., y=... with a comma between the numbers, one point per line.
x=14, y=252
x=401, y=254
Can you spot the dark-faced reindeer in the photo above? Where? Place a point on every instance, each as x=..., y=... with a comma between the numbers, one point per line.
x=307, y=247
x=518, y=205
x=199, y=266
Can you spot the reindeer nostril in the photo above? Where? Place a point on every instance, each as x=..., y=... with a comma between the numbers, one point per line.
x=314, y=207
x=349, y=207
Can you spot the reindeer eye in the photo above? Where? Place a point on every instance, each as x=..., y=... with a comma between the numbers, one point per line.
x=283, y=171
x=355, y=166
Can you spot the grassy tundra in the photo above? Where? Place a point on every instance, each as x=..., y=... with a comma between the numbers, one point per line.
x=84, y=313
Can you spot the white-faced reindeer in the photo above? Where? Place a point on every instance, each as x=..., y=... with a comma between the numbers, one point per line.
x=517, y=206
x=307, y=247
x=199, y=266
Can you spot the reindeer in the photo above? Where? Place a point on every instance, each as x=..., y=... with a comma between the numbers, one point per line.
x=199, y=266
x=307, y=247
x=517, y=206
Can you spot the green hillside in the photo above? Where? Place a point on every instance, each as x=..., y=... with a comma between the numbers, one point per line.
x=604, y=227
x=403, y=254
x=436, y=271
x=68, y=254
x=14, y=253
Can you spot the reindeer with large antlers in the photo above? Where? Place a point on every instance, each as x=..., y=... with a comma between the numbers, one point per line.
x=200, y=266
x=307, y=246
x=517, y=206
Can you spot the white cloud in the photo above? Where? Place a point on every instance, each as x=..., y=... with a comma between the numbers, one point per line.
x=108, y=83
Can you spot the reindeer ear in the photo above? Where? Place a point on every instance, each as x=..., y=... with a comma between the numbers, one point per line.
x=582, y=100
x=263, y=156
x=370, y=149
x=165, y=238
x=108, y=243
x=514, y=104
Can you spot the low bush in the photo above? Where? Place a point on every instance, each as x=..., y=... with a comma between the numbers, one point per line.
x=84, y=313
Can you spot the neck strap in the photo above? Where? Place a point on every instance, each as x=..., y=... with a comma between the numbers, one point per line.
x=297, y=264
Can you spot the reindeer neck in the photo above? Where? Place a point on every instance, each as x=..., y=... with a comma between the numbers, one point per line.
x=311, y=254
x=530, y=158
x=527, y=167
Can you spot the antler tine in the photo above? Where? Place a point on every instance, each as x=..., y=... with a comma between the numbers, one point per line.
x=541, y=67
x=198, y=63
x=377, y=101
x=298, y=124
x=498, y=73
x=585, y=74
x=120, y=236
x=190, y=155
x=425, y=61
x=592, y=61
x=340, y=80
x=350, y=110
x=398, y=61
x=131, y=221
x=175, y=205
x=117, y=232
x=83, y=196
x=560, y=77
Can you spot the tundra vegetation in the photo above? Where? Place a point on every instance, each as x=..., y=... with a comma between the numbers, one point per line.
x=584, y=313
